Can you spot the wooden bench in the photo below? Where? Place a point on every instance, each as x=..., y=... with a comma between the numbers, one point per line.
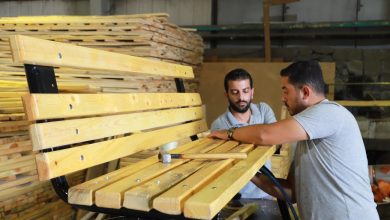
x=77, y=131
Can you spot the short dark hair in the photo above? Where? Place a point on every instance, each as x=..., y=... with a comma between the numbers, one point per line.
x=237, y=74
x=305, y=72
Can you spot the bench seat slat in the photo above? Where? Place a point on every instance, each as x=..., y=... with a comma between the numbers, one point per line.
x=28, y=50
x=52, y=106
x=112, y=195
x=172, y=201
x=83, y=194
x=206, y=203
x=141, y=197
x=59, y=133
x=58, y=163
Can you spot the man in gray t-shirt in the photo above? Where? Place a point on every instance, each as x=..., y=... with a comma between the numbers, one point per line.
x=329, y=178
x=242, y=112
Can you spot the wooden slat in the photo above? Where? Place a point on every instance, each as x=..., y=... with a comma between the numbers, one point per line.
x=112, y=195
x=28, y=50
x=57, y=163
x=141, y=197
x=83, y=194
x=15, y=147
x=19, y=181
x=211, y=199
x=50, y=106
x=172, y=201
x=59, y=133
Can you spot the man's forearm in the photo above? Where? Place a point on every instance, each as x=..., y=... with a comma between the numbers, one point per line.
x=269, y=187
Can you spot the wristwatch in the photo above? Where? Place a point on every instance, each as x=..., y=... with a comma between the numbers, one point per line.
x=230, y=132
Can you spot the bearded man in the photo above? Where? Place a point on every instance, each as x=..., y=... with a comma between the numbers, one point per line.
x=242, y=112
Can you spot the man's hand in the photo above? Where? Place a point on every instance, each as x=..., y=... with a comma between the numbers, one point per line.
x=221, y=134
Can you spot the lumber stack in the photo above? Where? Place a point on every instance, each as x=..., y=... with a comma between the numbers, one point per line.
x=148, y=35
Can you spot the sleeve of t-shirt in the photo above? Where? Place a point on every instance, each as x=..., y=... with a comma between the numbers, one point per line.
x=269, y=115
x=218, y=124
x=321, y=120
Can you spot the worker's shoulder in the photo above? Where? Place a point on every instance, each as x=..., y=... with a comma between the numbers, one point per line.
x=263, y=107
x=221, y=122
x=330, y=108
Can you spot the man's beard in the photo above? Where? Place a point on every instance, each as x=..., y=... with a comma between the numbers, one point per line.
x=236, y=107
x=299, y=107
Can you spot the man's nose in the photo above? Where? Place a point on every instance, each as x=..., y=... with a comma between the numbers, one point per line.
x=242, y=96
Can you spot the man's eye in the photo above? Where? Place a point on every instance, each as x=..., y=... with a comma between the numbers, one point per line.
x=246, y=90
x=234, y=92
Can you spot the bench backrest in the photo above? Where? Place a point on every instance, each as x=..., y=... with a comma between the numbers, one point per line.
x=77, y=131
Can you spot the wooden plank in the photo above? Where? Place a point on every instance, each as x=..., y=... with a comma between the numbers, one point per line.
x=375, y=103
x=267, y=34
x=16, y=191
x=28, y=50
x=57, y=163
x=19, y=181
x=141, y=197
x=15, y=147
x=211, y=199
x=49, y=106
x=244, y=212
x=59, y=133
x=83, y=194
x=17, y=162
x=112, y=196
x=172, y=201
x=12, y=117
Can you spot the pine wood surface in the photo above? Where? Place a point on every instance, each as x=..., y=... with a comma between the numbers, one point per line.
x=148, y=35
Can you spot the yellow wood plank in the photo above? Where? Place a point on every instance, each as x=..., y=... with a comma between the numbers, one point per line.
x=11, y=94
x=15, y=147
x=57, y=163
x=378, y=103
x=49, y=106
x=31, y=20
x=141, y=197
x=172, y=201
x=19, y=181
x=17, y=162
x=112, y=195
x=15, y=191
x=211, y=199
x=28, y=50
x=244, y=212
x=83, y=194
x=59, y=133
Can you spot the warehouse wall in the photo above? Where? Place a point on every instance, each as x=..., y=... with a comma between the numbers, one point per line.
x=235, y=12
x=44, y=7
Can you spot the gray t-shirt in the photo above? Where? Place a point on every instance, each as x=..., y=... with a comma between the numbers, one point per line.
x=331, y=168
x=261, y=114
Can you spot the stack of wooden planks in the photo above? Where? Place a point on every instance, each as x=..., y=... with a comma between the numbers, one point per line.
x=148, y=35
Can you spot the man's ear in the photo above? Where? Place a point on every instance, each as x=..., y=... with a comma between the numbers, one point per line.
x=306, y=91
x=252, y=92
x=226, y=95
